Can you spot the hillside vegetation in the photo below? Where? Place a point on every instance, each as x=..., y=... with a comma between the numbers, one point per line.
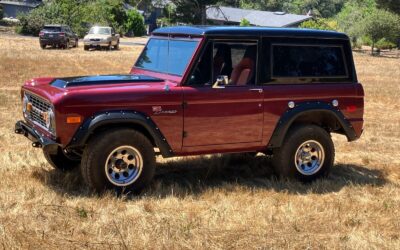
x=200, y=202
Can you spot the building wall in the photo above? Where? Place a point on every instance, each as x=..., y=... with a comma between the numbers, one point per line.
x=13, y=10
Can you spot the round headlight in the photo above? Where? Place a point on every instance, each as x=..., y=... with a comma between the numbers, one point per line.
x=25, y=102
x=50, y=122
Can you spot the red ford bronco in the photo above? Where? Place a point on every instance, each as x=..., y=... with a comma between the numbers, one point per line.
x=202, y=90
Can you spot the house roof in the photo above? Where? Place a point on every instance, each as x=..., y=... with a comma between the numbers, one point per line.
x=247, y=31
x=255, y=17
x=32, y=4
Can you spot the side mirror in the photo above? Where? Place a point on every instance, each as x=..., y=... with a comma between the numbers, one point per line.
x=221, y=82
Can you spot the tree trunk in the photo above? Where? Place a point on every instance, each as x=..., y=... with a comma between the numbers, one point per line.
x=203, y=14
x=372, y=48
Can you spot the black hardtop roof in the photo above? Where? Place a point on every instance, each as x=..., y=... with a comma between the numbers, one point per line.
x=247, y=31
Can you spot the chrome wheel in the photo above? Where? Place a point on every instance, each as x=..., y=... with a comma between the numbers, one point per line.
x=309, y=157
x=124, y=165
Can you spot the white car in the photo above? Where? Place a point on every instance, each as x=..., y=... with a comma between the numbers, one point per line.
x=101, y=37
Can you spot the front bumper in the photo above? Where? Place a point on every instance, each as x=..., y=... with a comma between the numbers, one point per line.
x=96, y=43
x=38, y=141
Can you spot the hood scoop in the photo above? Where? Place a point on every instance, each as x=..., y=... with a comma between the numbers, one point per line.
x=101, y=79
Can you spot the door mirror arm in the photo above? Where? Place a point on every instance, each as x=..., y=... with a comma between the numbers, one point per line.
x=221, y=82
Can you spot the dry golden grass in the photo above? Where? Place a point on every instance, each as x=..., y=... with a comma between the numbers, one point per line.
x=195, y=203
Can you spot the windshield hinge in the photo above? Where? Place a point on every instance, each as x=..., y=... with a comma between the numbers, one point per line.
x=184, y=134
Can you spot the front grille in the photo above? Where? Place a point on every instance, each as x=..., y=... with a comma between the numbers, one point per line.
x=39, y=106
x=95, y=40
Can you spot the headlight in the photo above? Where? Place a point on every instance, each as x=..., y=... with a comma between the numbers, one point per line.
x=25, y=101
x=50, y=121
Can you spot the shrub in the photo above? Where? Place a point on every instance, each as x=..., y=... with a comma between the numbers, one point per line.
x=78, y=14
x=134, y=23
x=385, y=44
x=319, y=24
x=245, y=22
x=32, y=23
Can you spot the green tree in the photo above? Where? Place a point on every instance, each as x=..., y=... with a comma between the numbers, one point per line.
x=134, y=23
x=319, y=24
x=350, y=18
x=390, y=5
x=1, y=12
x=192, y=11
x=78, y=14
x=268, y=5
x=381, y=24
x=320, y=8
x=245, y=22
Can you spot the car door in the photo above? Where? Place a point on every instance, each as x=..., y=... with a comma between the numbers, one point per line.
x=230, y=112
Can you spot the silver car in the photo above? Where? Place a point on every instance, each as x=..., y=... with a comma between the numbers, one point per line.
x=101, y=37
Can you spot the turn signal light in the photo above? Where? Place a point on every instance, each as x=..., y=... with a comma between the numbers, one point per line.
x=73, y=119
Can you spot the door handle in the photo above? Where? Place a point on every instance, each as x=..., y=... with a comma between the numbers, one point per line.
x=258, y=90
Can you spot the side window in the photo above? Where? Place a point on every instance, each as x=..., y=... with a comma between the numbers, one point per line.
x=308, y=61
x=234, y=61
x=203, y=70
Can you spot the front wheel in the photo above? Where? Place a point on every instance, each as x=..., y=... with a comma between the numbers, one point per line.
x=121, y=160
x=307, y=153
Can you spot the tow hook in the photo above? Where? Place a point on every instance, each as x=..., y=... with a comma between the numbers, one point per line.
x=36, y=145
x=19, y=131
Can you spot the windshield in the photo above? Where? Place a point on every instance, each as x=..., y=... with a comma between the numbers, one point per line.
x=52, y=29
x=167, y=56
x=100, y=30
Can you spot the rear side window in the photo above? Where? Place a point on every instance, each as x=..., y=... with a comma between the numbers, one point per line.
x=308, y=61
x=52, y=29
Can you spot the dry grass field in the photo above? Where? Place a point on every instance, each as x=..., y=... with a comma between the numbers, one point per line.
x=199, y=203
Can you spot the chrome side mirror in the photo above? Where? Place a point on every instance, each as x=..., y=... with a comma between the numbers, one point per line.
x=221, y=82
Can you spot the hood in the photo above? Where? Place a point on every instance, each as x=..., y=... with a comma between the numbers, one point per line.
x=90, y=36
x=102, y=80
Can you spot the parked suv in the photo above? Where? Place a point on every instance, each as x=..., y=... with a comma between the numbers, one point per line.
x=202, y=90
x=60, y=36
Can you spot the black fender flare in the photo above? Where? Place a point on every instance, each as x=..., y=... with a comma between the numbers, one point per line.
x=290, y=116
x=120, y=118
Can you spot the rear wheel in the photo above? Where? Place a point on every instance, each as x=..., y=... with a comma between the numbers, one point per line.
x=60, y=161
x=116, y=47
x=121, y=160
x=307, y=153
x=43, y=46
x=76, y=43
x=86, y=47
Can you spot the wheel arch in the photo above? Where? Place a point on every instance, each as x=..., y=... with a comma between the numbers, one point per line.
x=318, y=113
x=121, y=119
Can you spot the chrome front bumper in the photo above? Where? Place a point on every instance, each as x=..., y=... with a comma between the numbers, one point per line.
x=96, y=43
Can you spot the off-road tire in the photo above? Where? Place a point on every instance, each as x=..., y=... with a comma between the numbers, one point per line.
x=42, y=46
x=100, y=147
x=86, y=47
x=76, y=43
x=116, y=47
x=283, y=159
x=60, y=161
